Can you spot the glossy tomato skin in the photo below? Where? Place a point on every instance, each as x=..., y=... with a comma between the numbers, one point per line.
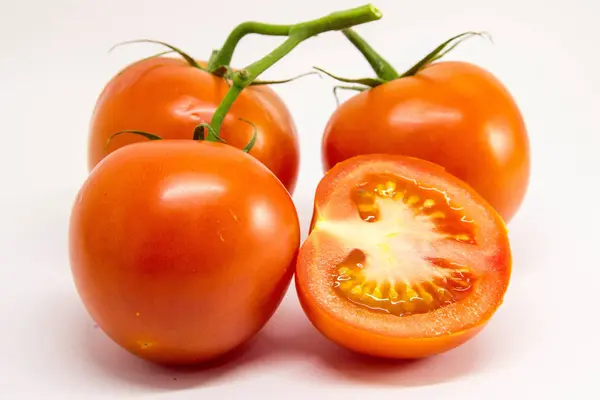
x=455, y=114
x=368, y=343
x=382, y=335
x=181, y=251
x=167, y=97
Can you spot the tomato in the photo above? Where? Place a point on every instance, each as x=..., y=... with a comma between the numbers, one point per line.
x=454, y=114
x=182, y=250
x=169, y=98
x=403, y=260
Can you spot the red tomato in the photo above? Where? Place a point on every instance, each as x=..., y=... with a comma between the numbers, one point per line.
x=404, y=260
x=169, y=98
x=454, y=114
x=182, y=250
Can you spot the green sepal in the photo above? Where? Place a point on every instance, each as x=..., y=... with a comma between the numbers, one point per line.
x=441, y=51
x=371, y=82
x=190, y=60
x=346, y=87
x=250, y=144
x=149, y=136
x=276, y=82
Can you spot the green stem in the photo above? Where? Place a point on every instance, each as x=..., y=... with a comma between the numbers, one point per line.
x=223, y=56
x=382, y=68
x=225, y=53
x=297, y=34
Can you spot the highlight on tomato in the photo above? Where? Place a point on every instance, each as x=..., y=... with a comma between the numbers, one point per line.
x=168, y=246
x=169, y=97
x=181, y=250
x=455, y=114
x=403, y=259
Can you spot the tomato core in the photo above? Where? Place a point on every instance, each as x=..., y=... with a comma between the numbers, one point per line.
x=396, y=266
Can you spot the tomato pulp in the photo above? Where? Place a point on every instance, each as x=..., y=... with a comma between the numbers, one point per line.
x=403, y=260
x=169, y=98
x=182, y=250
x=454, y=114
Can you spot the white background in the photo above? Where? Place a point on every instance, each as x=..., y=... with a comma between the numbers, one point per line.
x=54, y=62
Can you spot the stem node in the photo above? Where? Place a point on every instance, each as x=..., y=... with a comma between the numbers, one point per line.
x=296, y=34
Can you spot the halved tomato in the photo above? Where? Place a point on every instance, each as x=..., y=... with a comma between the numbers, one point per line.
x=404, y=260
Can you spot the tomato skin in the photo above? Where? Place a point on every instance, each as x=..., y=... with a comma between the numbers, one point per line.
x=167, y=97
x=385, y=336
x=372, y=344
x=180, y=250
x=455, y=114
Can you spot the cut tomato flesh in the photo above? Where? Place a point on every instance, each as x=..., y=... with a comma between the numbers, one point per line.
x=399, y=233
x=399, y=247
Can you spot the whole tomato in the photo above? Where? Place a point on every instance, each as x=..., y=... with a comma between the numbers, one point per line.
x=182, y=250
x=169, y=97
x=455, y=114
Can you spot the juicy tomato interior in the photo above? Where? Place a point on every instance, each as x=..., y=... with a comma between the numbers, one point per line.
x=394, y=267
x=400, y=248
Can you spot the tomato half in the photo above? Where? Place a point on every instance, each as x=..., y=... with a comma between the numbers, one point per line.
x=182, y=250
x=454, y=114
x=403, y=260
x=169, y=98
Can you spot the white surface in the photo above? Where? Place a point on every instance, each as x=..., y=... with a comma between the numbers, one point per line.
x=542, y=341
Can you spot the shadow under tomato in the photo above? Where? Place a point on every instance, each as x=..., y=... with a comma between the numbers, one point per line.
x=291, y=338
x=113, y=360
x=98, y=353
x=528, y=241
x=425, y=372
x=288, y=340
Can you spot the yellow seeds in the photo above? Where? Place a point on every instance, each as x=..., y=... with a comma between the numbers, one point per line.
x=393, y=295
x=399, y=196
x=376, y=276
x=365, y=194
x=356, y=290
x=462, y=237
x=346, y=285
x=437, y=215
x=365, y=207
x=444, y=295
x=386, y=190
x=377, y=292
x=424, y=294
x=410, y=292
x=390, y=188
x=412, y=200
